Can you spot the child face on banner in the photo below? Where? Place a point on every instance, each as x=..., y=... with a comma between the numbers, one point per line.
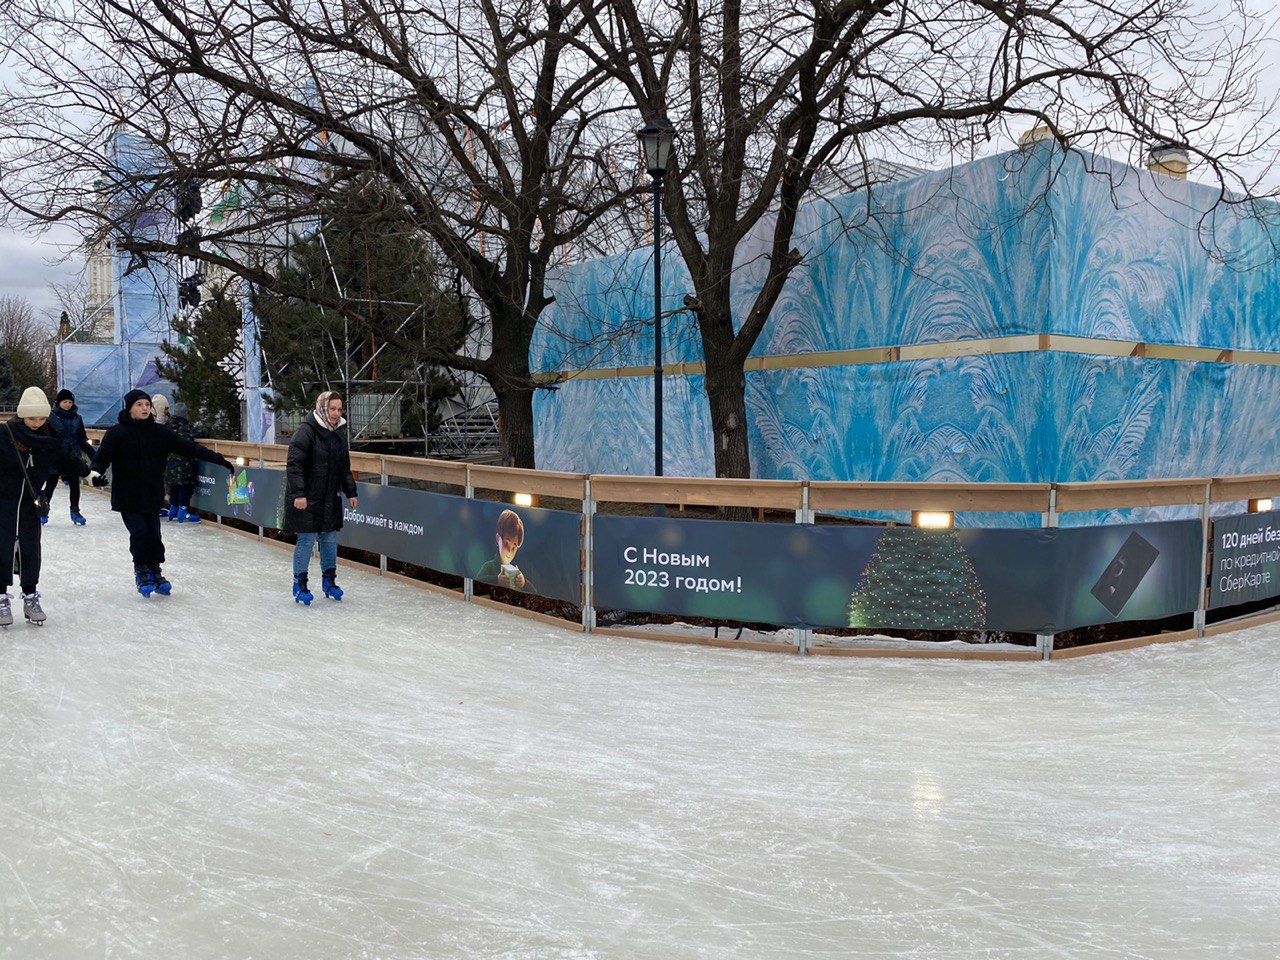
x=507, y=547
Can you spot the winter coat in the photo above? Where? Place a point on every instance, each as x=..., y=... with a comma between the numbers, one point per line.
x=42, y=452
x=70, y=425
x=137, y=451
x=180, y=471
x=319, y=468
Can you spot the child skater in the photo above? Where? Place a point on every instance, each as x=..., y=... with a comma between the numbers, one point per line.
x=137, y=448
x=30, y=449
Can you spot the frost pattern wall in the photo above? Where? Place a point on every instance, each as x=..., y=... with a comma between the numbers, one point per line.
x=1016, y=244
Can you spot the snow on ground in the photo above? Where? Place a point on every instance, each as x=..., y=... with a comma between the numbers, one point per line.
x=223, y=774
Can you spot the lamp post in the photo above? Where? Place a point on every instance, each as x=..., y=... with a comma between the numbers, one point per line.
x=658, y=138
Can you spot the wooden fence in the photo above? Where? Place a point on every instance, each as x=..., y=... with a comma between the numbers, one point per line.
x=804, y=499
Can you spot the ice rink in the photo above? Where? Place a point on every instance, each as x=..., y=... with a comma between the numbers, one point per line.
x=223, y=774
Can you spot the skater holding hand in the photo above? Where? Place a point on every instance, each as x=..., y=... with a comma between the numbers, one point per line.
x=70, y=426
x=138, y=448
x=30, y=449
x=319, y=480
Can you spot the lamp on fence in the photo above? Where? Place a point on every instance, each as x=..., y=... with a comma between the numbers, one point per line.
x=658, y=139
x=933, y=519
x=524, y=500
x=1260, y=505
x=239, y=461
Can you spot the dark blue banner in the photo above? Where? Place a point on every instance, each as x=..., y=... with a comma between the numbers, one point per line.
x=1245, y=566
x=1033, y=581
x=525, y=549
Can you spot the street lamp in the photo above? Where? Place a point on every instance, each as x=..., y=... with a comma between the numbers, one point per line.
x=658, y=139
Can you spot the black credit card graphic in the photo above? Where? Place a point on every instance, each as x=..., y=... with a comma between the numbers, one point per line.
x=1124, y=573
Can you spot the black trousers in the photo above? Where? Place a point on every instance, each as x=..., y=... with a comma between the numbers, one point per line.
x=144, y=538
x=19, y=543
x=180, y=494
x=52, y=484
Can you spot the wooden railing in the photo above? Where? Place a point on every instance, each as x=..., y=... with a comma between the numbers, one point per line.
x=806, y=498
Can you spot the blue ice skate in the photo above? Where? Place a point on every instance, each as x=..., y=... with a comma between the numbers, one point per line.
x=163, y=586
x=145, y=580
x=186, y=516
x=329, y=584
x=78, y=518
x=300, y=592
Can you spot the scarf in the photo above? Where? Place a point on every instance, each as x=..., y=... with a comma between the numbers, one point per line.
x=321, y=412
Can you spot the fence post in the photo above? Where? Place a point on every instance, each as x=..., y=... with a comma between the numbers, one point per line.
x=467, y=582
x=1048, y=519
x=382, y=557
x=588, y=560
x=262, y=463
x=804, y=515
x=1202, y=602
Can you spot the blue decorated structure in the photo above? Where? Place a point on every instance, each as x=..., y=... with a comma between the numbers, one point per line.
x=1037, y=316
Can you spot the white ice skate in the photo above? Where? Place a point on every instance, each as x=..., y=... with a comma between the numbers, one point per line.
x=31, y=609
x=6, y=612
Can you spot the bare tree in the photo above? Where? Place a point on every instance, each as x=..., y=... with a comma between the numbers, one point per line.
x=770, y=97
x=494, y=130
x=26, y=355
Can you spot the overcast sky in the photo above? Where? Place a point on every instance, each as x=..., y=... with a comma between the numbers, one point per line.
x=29, y=263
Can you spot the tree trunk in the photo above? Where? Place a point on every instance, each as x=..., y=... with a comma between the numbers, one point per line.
x=515, y=426
x=726, y=394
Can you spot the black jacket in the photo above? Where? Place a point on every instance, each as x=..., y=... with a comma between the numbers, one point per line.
x=319, y=468
x=180, y=471
x=137, y=451
x=41, y=451
x=70, y=425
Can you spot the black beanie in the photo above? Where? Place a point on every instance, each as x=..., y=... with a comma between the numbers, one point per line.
x=133, y=396
x=65, y=395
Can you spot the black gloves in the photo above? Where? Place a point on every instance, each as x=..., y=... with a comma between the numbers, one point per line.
x=96, y=479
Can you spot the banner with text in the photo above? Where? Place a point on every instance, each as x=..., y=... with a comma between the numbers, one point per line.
x=1246, y=559
x=526, y=549
x=1035, y=581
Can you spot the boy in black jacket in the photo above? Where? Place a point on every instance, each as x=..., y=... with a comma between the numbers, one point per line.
x=137, y=449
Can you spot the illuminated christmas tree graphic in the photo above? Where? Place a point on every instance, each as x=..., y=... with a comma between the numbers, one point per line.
x=919, y=580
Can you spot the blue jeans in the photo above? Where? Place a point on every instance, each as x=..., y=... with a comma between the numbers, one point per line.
x=307, y=543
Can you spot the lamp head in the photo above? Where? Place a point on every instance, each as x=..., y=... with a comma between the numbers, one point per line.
x=658, y=138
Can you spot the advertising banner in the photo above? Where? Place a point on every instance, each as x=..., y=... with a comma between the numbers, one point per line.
x=1246, y=559
x=526, y=549
x=251, y=494
x=1034, y=581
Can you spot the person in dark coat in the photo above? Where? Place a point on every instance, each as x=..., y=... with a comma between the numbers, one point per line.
x=137, y=449
x=30, y=449
x=180, y=471
x=70, y=425
x=318, y=480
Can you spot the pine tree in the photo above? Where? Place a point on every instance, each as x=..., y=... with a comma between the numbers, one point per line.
x=367, y=253
x=200, y=362
x=921, y=580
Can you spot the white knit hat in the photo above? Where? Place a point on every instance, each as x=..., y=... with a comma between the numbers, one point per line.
x=160, y=408
x=33, y=403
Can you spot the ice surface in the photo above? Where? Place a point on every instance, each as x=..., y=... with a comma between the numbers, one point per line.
x=224, y=774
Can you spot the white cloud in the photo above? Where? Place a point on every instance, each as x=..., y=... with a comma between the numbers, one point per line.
x=29, y=263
